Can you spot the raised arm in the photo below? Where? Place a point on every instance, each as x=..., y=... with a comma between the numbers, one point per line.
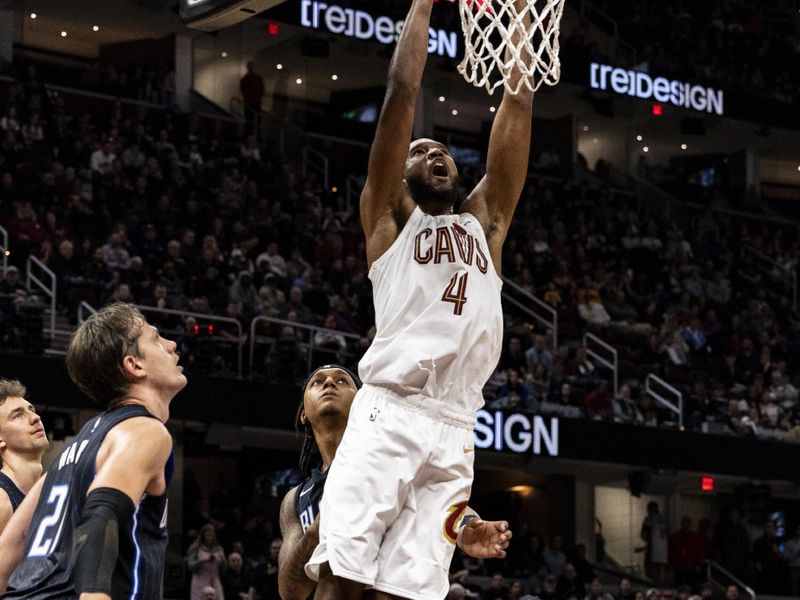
x=296, y=550
x=385, y=206
x=12, y=542
x=130, y=463
x=495, y=197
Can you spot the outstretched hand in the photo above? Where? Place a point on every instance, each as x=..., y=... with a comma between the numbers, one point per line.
x=484, y=539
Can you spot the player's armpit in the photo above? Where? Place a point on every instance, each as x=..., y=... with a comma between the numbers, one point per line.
x=132, y=458
x=296, y=550
x=12, y=541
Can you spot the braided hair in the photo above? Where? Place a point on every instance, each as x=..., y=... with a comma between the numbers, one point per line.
x=310, y=454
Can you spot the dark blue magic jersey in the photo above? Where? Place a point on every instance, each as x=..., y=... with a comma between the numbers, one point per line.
x=45, y=569
x=15, y=495
x=308, y=497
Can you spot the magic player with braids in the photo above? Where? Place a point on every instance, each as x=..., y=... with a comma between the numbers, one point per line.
x=322, y=417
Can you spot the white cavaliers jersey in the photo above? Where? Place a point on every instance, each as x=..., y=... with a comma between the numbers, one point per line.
x=437, y=313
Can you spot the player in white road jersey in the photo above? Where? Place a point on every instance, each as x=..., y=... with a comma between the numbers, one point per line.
x=397, y=491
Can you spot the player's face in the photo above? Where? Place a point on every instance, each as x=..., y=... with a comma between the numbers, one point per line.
x=160, y=360
x=330, y=392
x=430, y=169
x=21, y=429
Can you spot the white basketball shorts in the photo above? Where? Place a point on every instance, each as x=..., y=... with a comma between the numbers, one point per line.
x=393, y=498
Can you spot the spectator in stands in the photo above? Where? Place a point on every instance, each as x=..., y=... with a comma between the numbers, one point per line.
x=694, y=336
x=570, y=582
x=592, y=310
x=252, y=88
x=236, y=583
x=655, y=535
x=102, y=159
x=731, y=593
x=513, y=356
x=276, y=262
x=791, y=554
x=599, y=403
x=549, y=588
x=626, y=591
x=732, y=544
x=538, y=354
x=266, y=577
x=205, y=559
x=296, y=307
x=456, y=592
x=596, y=591
x=514, y=395
x=243, y=293
x=114, y=254
x=209, y=593
x=554, y=557
x=768, y=561
x=686, y=554
x=496, y=588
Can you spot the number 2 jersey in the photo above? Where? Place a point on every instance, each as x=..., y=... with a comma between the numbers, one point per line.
x=46, y=567
x=438, y=315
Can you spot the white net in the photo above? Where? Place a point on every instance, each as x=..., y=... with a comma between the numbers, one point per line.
x=505, y=35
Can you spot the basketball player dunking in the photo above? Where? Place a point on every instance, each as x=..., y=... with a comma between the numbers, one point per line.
x=404, y=468
x=95, y=527
x=22, y=446
x=322, y=416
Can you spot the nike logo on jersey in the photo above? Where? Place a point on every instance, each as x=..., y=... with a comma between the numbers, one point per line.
x=468, y=449
x=308, y=490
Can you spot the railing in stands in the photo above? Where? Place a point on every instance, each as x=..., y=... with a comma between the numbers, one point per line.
x=712, y=567
x=239, y=340
x=310, y=345
x=604, y=354
x=33, y=278
x=659, y=389
x=314, y=160
x=85, y=310
x=540, y=311
x=774, y=270
x=354, y=185
x=4, y=249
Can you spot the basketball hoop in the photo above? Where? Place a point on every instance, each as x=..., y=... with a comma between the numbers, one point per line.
x=501, y=39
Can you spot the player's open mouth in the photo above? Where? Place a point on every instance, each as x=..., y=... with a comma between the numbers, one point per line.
x=439, y=170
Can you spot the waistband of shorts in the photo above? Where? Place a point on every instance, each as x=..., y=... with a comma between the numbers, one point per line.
x=426, y=406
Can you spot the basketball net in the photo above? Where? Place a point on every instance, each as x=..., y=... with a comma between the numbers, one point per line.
x=502, y=40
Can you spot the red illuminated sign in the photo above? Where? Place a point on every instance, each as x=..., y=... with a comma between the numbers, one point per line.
x=707, y=484
x=273, y=29
x=658, y=109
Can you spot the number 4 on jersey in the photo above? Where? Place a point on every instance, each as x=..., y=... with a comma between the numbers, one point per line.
x=456, y=292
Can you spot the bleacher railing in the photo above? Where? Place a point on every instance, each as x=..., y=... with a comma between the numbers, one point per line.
x=316, y=161
x=603, y=354
x=660, y=390
x=354, y=185
x=309, y=345
x=239, y=340
x=85, y=310
x=4, y=251
x=538, y=310
x=713, y=567
x=36, y=274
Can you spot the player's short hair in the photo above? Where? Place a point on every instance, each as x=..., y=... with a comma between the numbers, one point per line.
x=97, y=348
x=11, y=388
